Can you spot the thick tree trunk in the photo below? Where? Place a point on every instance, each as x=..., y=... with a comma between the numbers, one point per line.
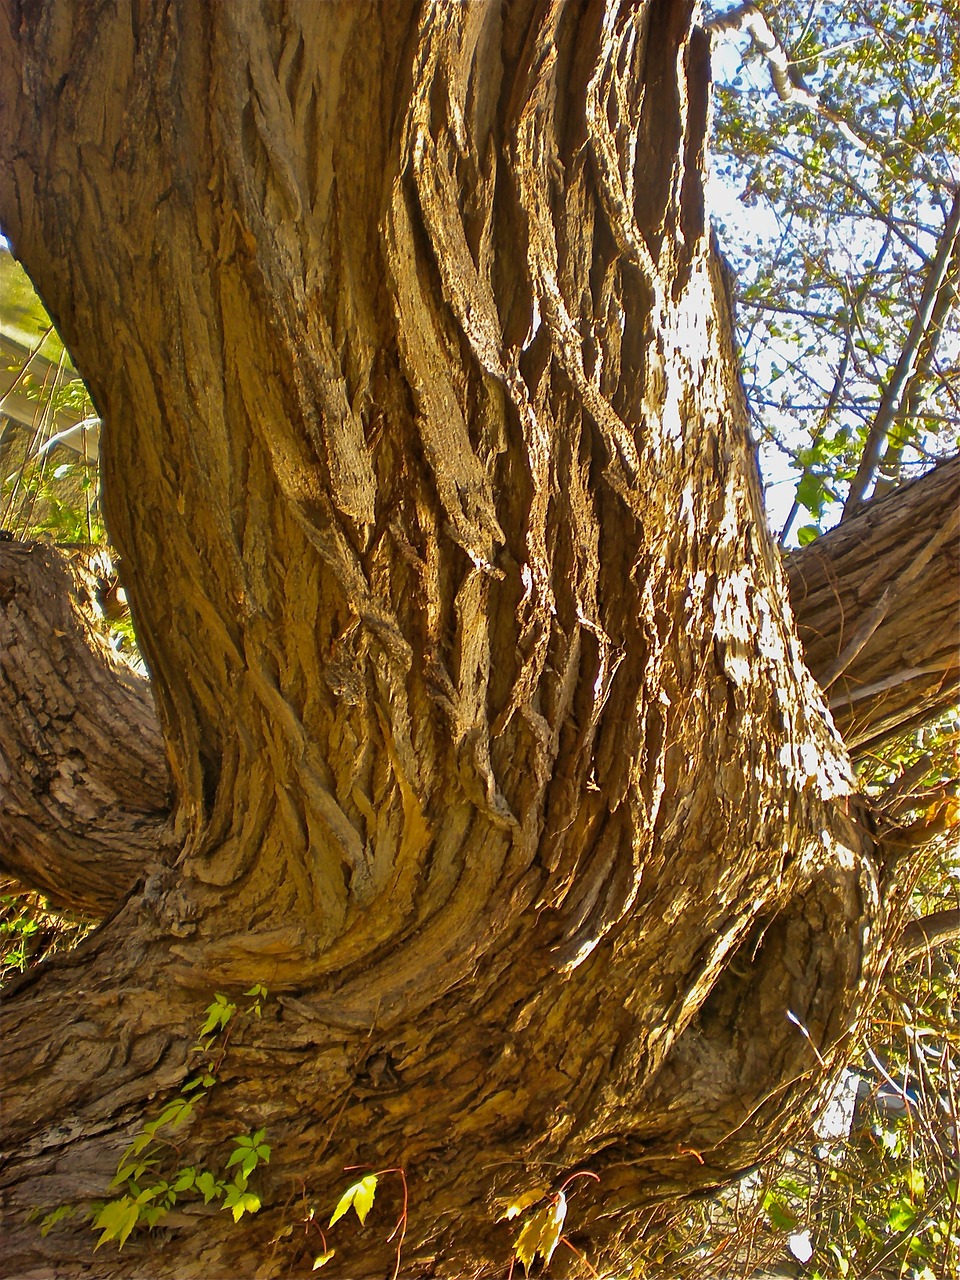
x=875, y=603
x=493, y=751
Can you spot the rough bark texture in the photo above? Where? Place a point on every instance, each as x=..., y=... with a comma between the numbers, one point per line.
x=875, y=604
x=877, y=610
x=493, y=750
x=84, y=799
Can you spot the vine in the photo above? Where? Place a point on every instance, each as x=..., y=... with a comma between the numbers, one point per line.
x=147, y=1197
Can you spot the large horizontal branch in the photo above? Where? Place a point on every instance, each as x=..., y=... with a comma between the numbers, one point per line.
x=83, y=783
x=876, y=604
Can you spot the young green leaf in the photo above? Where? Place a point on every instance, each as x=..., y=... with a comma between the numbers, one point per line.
x=185, y=1179
x=50, y=1221
x=780, y=1216
x=240, y=1201
x=360, y=1196
x=206, y=1184
x=219, y=1013
x=116, y=1220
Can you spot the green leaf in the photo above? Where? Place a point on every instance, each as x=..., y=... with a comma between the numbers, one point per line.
x=807, y=533
x=50, y=1221
x=542, y=1233
x=116, y=1220
x=901, y=1215
x=811, y=493
x=185, y=1179
x=153, y=1215
x=780, y=1216
x=218, y=1014
x=360, y=1196
x=240, y=1201
x=206, y=1184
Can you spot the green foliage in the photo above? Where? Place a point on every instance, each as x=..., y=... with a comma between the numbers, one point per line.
x=148, y=1194
x=359, y=1197
x=31, y=928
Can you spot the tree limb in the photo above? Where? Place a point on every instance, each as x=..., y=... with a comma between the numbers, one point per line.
x=938, y=279
x=876, y=606
x=927, y=932
x=83, y=785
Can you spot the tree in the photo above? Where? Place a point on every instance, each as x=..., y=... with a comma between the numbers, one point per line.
x=492, y=751
x=841, y=133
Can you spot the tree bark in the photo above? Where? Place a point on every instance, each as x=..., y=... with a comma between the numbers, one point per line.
x=493, y=753
x=874, y=603
x=84, y=799
x=876, y=607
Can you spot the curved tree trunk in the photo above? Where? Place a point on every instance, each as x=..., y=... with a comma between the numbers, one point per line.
x=874, y=603
x=494, y=755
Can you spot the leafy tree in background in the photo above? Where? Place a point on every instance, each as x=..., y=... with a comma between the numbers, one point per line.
x=490, y=749
x=841, y=135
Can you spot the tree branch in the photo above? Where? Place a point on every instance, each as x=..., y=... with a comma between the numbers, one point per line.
x=83, y=783
x=927, y=932
x=876, y=606
x=938, y=279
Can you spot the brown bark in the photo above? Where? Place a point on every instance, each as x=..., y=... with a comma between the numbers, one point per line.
x=83, y=795
x=919, y=936
x=493, y=751
x=888, y=579
x=877, y=610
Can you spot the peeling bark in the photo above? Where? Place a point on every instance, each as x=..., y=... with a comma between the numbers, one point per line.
x=493, y=751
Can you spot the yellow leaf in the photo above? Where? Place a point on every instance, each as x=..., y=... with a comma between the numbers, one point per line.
x=360, y=1196
x=523, y=1201
x=322, y=1260
x=542, y=1233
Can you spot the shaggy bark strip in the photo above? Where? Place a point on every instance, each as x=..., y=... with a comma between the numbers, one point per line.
x=494, y=754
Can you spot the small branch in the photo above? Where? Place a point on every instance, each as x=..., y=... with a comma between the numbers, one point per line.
x=788, y=83
x=938, y=279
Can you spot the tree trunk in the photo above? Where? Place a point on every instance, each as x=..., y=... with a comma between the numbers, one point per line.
x=84, y=812
x=493, y=753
